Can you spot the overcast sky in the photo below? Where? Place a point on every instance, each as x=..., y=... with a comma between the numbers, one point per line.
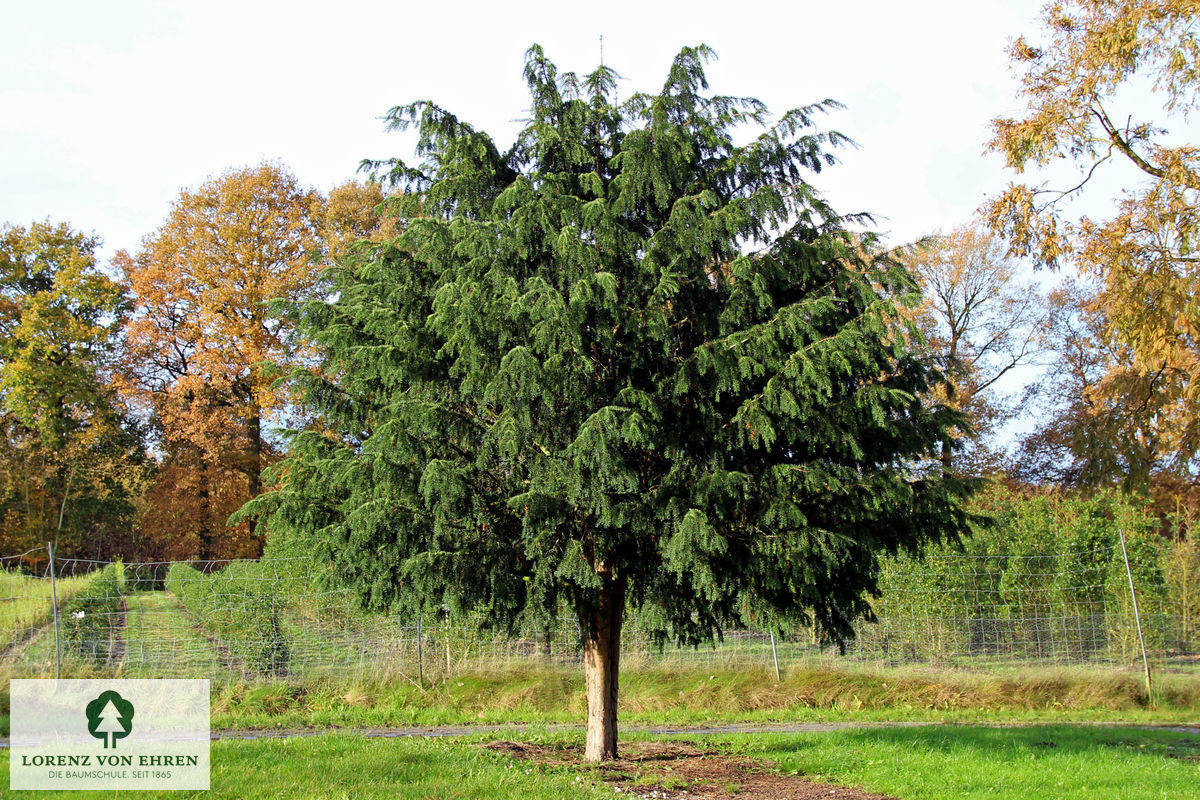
x=110, y=108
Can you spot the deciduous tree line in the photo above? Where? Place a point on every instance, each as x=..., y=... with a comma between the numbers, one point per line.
x=138, y=398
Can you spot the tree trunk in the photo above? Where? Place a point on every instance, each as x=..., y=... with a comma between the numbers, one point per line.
x=601, y=661
x=254, y=473
x=254, y=459
x=204, y=500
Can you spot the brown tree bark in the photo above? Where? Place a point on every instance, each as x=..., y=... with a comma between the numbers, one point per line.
x=601, y=662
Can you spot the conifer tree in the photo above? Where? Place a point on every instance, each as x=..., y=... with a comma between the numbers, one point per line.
x=627, y=364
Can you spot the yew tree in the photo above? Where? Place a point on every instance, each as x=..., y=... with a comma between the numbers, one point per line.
x=631, y=364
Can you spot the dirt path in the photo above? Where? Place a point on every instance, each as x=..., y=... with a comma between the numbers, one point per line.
x=14, y=647
x=684, y=771
x=116, y=649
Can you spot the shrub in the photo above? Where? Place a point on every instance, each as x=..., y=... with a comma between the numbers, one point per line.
x=239, y=605
x=88, y=618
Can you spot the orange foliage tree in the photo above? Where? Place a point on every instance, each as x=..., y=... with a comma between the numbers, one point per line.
x=209, y=336
x=1089, y=86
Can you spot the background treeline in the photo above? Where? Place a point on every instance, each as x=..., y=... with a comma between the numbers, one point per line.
x=138, y=398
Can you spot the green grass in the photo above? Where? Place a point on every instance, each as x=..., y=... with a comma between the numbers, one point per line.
x=346, y=766
x=25, y=603
x=1039, y=762
x=660, y=696
x=161, y=640
x=928, y=763
x=699, y=697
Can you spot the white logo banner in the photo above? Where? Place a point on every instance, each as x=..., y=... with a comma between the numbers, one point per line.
x=109, y=734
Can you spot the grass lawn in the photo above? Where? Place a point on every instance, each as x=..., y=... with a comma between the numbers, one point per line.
x=162, y=641
x=1038, y=762
x=347, y=766
x=1058, y=762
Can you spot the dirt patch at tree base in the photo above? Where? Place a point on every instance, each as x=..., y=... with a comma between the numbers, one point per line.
x=683, y=771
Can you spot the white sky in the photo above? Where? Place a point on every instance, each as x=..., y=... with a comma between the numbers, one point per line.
x=110, y=108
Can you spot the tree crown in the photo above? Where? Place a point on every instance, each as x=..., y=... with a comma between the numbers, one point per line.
x=625, y=355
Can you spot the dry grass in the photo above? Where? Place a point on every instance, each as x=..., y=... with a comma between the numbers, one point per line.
x=677, y=697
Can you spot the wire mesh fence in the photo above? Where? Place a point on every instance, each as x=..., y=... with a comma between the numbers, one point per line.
x=272, y=619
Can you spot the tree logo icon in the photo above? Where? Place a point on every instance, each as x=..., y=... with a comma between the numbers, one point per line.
x=110, y=717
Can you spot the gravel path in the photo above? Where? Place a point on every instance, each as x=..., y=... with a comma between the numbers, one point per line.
x=435, y=731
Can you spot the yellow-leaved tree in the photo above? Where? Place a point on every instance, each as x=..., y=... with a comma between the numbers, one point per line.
x=981, y=321
x=1100, y=91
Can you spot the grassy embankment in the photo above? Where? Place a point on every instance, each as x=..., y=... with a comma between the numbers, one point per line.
x=25, y=604
x=929, y=763
x=693, y=697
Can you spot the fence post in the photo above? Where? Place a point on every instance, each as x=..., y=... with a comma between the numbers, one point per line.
x=775, y=655
x=1137, y=617
x=420, y=667
x=54, y=600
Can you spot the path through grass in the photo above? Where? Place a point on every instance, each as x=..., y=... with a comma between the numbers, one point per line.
x=163, y=641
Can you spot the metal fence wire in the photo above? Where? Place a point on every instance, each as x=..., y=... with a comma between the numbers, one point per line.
x=268, y=619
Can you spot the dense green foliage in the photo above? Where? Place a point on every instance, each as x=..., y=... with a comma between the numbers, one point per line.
x=627, y=359
x=1045, y=579
x=70, y=457
x=238, y=605
x=89, y=619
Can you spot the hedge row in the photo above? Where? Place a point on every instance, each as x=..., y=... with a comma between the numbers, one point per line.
x=238, y=607
x=89, y=619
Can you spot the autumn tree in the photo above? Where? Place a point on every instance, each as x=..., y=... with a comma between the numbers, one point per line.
x=625, y=364
x=1102, y=420
x=1088, y=89
x=205, y=342
x=980, y=322
x=72, y=459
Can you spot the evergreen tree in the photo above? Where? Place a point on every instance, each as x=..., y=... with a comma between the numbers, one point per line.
x=628, y=363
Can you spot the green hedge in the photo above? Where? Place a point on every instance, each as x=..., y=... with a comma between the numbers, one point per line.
x=238, y=605
x=1045, y=580
x=89, y=619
